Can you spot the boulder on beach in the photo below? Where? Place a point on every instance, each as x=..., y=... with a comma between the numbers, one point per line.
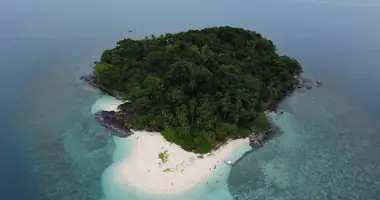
x=111, y=121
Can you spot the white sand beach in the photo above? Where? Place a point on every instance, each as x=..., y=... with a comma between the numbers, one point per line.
x=144, y=170
x=112, y=106
x=183, y=170
x=107, y=103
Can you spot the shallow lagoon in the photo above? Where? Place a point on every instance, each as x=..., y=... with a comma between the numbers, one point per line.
x=58, y=150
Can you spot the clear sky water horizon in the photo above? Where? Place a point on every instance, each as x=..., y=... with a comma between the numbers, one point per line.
x=47, y=45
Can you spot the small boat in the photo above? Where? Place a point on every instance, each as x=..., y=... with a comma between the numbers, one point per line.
x=228, y=162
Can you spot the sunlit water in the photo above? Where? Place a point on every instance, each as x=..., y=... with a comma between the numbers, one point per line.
x=52, y=147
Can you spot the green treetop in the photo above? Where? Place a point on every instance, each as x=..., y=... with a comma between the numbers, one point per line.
x=199, y=87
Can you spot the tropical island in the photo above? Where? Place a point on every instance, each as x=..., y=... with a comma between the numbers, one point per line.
x=198, y=88
x=188, y=94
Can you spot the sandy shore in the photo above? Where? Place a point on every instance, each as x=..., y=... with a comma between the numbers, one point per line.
x=112, y=106
x=182, y=170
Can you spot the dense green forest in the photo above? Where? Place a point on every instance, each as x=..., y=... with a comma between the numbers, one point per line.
x=200, y=87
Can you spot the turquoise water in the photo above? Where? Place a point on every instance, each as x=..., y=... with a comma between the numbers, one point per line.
x=101, y=103
x=52, y=147
x=327, y=152
x=214, y=186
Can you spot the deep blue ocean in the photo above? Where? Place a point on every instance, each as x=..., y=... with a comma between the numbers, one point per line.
x=51, y=148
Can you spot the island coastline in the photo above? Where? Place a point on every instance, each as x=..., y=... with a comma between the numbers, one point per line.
x=187, y=169
x=187, y=130
x=112, y=115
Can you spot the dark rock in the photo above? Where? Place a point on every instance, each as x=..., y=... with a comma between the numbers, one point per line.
x=93, y=81
x=126, y=107
x=295, y=81
x=128, y=113
x=272, y=107
x=304, y=82
x=257, y=139
x=319, y=83
x=120, y=123
x=114, y=122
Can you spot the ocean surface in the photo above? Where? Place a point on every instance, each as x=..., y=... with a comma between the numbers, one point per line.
x=51, y=148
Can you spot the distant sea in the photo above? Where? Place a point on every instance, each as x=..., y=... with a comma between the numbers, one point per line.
x=51, y=148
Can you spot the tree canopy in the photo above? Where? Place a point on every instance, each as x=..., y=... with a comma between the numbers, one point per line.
x=200, y=87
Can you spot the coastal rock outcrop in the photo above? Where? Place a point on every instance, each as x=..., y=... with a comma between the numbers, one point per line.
x=307, y=82
x=257, y=139
x=120, y=122
x=93, y=81
x=188, y=96
x=111, y=121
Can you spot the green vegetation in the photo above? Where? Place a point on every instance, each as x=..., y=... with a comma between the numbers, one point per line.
x=163, y=156
x=167, y=170
x=199, y=87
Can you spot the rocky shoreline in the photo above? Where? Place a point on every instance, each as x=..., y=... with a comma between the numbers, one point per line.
x=307, y=82
x=109, y=120
x=93, y=81
x=257, y=139
x=121, y=122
